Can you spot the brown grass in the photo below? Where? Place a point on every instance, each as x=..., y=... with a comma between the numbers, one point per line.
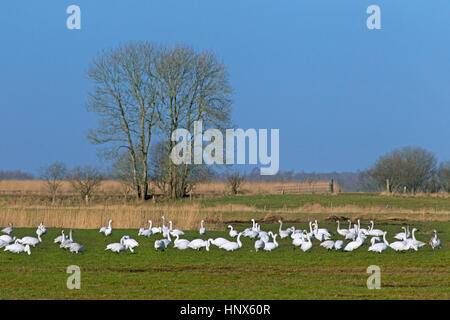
x=110, y=187
x=126, y=217
x=188, y=217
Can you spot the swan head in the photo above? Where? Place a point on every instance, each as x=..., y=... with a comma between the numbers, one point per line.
x=27, y=249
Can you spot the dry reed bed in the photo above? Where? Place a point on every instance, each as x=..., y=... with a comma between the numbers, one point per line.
x=110, y=187
x=125, y=217
x=188, y=217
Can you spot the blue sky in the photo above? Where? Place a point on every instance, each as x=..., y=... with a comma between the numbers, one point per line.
x=340, y=94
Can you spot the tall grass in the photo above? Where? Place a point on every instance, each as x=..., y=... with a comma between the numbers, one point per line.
x=127, y=217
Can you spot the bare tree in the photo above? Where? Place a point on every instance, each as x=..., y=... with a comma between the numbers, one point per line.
x=125, y=98
x=192, y=86
x=406, y=167
x=53, y=175
x=85, y=181
x=140, y=86
x=444, y=175
x=234, y=182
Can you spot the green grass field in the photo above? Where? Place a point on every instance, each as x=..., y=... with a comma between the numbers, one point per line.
x=363, y=200
x=281, y=274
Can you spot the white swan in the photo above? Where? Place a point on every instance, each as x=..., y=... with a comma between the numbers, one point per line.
x=233, y=233
x=175, y=232
x=269, y=246
x=259, y=245
x=167, y=241
x=322, y=230
x=17, y=247
x=402, y=245
x=3, y=244
x=354, y=244
x=106, y=230
x=232, y=246
x=116, y=247
x=60, y=238
x=129, y=242
x=329, y=244
x=66, y=242
x=146, y=232
x=181, y=244
x=8, y=230
x=159, y=245
x=307, y=244
x=403, y=235
x=202, y=228
x=218, y=241
x=381, y=246
x=414, y=241
x=76, y=248
x=165, y=229
x=154, y=230
x=7, y=238
x=41, y=229
x=32, y=241
x=342, y=232
x=374, y=232
x=283, y=233
x=435, y=242
x=197, y=244
x=339, y=245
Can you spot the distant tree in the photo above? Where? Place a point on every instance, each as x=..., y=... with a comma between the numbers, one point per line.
x=406, y=167
x=15, y=175
x=234, y=181
x=444, y=175
x=54, y=175
x=85, y=181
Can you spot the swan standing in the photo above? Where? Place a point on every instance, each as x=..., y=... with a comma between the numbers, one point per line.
x=202, y=228
x=8, y=230
x=435, y=242
x=106, y=230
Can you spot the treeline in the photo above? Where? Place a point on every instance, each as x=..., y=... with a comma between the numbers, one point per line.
x=15, y=175
x=405, y=170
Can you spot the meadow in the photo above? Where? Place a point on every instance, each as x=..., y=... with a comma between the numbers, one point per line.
x=284, y=273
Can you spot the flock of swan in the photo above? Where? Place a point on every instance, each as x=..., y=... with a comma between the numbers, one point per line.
x=264, y=240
